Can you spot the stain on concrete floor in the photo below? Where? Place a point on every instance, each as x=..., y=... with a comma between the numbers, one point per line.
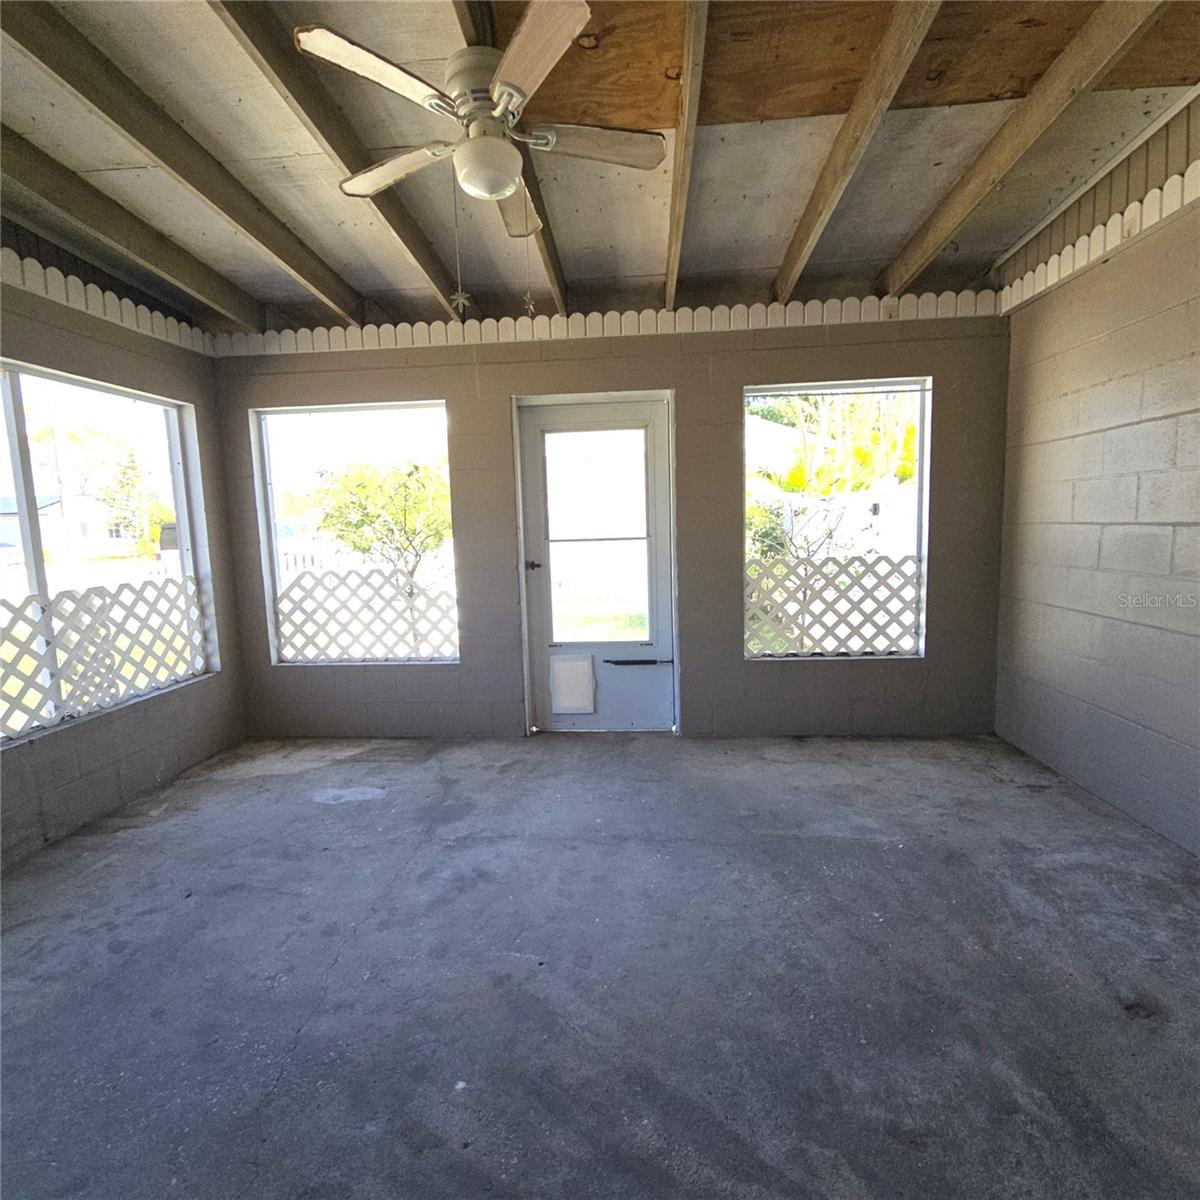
x=594, y=966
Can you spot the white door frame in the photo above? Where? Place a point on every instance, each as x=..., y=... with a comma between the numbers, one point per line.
x=663, y=396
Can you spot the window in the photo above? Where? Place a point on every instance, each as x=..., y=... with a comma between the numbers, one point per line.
x=834, y=519
x=98, y=594
x=359, y=545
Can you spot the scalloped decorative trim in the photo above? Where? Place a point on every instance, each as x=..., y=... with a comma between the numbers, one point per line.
x=610, y=324
x=1120, y=227
x=50, y=282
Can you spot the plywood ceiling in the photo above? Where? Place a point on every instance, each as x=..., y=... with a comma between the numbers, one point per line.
x=623, y=71
x=770, y=60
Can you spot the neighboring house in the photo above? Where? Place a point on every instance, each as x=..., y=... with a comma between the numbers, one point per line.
x=82, y=546
x=14, y=583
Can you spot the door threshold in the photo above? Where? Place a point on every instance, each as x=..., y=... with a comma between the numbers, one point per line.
x=656, y=729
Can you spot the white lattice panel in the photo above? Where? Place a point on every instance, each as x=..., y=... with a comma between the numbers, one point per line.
x=832, y=606
x=26, y=689
x=81, y=651
x=363, y=615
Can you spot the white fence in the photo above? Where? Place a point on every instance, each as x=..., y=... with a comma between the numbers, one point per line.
x=366, y=615
x=78, y=652
x=292, y=562
x=832, y=606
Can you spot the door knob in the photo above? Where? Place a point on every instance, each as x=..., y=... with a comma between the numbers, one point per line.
x=530, y=565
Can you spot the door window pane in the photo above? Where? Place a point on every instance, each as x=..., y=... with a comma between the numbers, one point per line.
x=600, y=591
x=596, y=483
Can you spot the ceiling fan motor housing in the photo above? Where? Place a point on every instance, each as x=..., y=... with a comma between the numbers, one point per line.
x=469, y=74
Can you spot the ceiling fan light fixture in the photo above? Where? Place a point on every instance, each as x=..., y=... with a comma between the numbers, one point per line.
x=488, y=168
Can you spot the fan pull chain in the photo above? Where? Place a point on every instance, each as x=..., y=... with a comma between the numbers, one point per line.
x=530, y=306
x=461, y=300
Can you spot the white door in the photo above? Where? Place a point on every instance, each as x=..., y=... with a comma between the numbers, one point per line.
x=596, y=511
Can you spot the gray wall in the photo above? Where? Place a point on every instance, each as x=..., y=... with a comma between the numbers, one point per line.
x=1101, y=503
x=53, y=781
x=949, y=691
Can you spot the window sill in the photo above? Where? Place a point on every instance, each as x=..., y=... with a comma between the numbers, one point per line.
x=372, y=662
x=833, y=658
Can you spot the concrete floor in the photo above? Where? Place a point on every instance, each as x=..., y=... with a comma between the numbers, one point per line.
x=603, y=966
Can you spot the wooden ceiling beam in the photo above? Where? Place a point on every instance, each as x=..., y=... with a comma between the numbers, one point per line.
x=694, y=33
x=543, y=239
x=84, y=207
x=1090, y=55
x=269, y=44
x=893, y=56
x=59, y=48
x=476, y=21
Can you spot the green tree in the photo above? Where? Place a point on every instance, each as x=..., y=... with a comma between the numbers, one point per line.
x=766, y=533
x=158, y=514
x=125, y=497
x=133, y=509
x=779, y=530
x=397, y=516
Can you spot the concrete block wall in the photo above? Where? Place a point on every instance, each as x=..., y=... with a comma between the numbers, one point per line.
x=1099, y=646
x=54, y=781
x=951, y=690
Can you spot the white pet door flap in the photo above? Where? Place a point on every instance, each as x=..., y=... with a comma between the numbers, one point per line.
x=572, y=684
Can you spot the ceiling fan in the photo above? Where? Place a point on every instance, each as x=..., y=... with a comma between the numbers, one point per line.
x=485, y=93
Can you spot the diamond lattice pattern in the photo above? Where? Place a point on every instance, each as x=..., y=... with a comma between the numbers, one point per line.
x=82, y=651
x=363, y=615
x=806, y=606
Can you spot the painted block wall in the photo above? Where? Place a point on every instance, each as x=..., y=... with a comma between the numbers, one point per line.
x=56, y=780
x=950, y=691
x=1098, y=672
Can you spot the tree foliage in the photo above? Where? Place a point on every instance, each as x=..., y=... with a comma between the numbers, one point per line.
x=844, y=443
x=125, y=497
x=779, y=530
x=397, y=516
x=133, y=508
x=847, y=443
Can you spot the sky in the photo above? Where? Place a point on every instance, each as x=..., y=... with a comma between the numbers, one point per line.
x=303, y=444
x=91, y=432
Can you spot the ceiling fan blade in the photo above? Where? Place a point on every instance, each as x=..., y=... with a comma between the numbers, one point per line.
x=391, y=170
x=545, y=33
x=630, y=148
x=520, y=218
x=342, y=52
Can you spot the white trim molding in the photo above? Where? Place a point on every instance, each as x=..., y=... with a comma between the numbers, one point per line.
x=29, y=275
x=1138, y=217
x=1164, y=118
x=647, y=322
